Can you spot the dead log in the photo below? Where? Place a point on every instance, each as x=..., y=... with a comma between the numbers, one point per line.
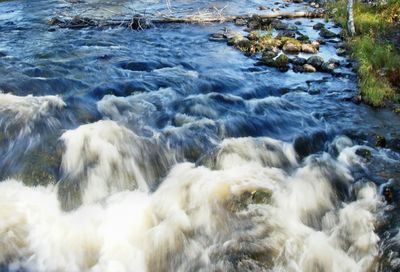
x=140, y=22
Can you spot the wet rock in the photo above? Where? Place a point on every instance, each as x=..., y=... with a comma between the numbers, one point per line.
x=305, y=145
x=328, y=67
x=315, y=44
x=315, y=61
x=321, y=41
x=341, y=52
x=2, y=54
x=286, y=33
x=240, y=22
x=341, y=45
x=298, y=69
x=309, y=68
x=291, y=47
x=298, y=61
x=318, y=26
x=388, y=194
x=262, y=197
x=218, y=36
x=364, y=153
x=303, y=38
x=297, y=1
x=279, y=25
x=313, y=91
x=281, y=62
x=234, y=38
x=380, y=141
x=297, y=23
x=327, y=34
x=275, y=9
x=394, y=144
x=308, y=48
x=263, y=8
x=335, y=61
x=55, y=21
x=269, y=55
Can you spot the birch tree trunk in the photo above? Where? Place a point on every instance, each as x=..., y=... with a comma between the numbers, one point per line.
x=350, y=16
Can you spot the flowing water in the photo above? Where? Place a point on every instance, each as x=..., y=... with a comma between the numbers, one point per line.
x=160, y=150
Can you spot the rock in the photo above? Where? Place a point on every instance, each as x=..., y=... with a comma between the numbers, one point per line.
x=233, y=38
x=2, y=54
x=55, y=21
x=328, y=67
x=315, y=61
x=303, y=38
x=218, y=36
x=309, y=68
x=318, y=26
x=365, y=153
x=314, y=91
x=269, y=55
x=291, y=48
x=245, y=45
x=263, y=8
x=261, y=197
x=308, y=48
x=341, y=52
x=321, y=41
x=327, y=34
x=380, y=141
x=240, y=22
x=341, y=45
x=281, y=62
x=275, y=9
x=297, y=1
x=298, y=61
x=286, y=33
x=335, y=61
x=298, y=69
x=297, y=23
x=279, y=25
x=315, y=44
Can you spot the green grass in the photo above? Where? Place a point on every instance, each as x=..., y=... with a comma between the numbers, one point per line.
x=379, y=61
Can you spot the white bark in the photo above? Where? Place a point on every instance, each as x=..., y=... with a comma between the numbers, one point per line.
x=350, y=16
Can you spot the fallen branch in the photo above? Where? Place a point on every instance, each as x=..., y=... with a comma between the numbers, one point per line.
x=140, y=22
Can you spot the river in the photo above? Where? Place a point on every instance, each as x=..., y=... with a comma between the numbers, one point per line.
x=160, y=150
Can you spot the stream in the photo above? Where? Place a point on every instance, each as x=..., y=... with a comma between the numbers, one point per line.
x=162, y=150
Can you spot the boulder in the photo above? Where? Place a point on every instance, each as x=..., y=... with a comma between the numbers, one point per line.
x=279, y=25
x=298, y=61
x=291, y=47
x=318, y=26
x=327, y=34
x=315, y=61
x=308, y=48
x=328, y=67
x=309, y=68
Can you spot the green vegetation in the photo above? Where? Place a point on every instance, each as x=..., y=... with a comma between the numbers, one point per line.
x=373, y=48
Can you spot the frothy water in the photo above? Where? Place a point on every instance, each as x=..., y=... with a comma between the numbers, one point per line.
x=160, y=150
x=246, y=214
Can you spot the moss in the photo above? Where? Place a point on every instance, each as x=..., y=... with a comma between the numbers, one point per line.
x=290, y=40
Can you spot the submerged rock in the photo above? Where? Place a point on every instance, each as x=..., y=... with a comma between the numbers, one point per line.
x=327, y=34
x=364, y=153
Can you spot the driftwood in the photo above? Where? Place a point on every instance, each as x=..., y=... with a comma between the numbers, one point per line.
x=141, y=22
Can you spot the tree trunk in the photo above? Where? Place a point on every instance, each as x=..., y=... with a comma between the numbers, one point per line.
x=350, y=16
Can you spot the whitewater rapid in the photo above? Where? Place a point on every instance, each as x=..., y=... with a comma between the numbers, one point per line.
x=125, y=204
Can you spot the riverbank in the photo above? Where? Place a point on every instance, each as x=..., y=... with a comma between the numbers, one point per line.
x=376, y=48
